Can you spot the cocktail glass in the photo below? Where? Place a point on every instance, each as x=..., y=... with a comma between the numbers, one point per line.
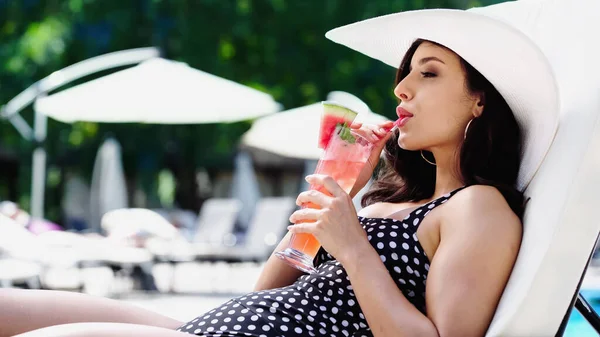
x=343, y=160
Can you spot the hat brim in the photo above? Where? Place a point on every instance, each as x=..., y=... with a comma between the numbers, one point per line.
x=507, y=58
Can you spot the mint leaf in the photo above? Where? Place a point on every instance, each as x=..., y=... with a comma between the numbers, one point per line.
x=343, y=130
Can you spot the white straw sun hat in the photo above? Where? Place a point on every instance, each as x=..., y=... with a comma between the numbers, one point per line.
x=504, y=55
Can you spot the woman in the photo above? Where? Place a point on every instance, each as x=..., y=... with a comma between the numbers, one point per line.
x=432, y=251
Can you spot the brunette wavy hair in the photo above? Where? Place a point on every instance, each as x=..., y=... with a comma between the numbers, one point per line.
x=490, y=154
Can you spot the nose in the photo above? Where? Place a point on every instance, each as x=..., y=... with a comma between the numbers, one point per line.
x=402, y=90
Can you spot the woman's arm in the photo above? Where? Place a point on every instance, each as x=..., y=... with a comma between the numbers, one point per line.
x=386, y=309
x=479, y=244
x=277, y=273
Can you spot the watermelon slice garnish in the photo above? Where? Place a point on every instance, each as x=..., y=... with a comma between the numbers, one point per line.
x=334, y=115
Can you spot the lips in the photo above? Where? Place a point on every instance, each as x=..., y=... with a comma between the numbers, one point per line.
x=401, y=112
x=403, y=116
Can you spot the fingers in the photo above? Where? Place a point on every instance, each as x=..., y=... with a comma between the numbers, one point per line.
x=371, y=132
x=313, y=196
x=367, y=132
x=384, y=139
x=384, y=128
x=388, y=125
x=306, y=227
x=305, y=215
x=326, y=181
x=385, y=125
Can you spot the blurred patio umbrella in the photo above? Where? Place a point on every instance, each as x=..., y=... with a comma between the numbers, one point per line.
x=294, y=133
x=245, y=187
x=109, y=189
x=155, y=91
x=158, y=91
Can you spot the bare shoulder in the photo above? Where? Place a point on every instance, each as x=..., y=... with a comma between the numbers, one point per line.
x=484, y=209
x=368, y=210
x=480, y=237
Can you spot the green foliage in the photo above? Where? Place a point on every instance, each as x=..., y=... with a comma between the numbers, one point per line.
x=277, y=46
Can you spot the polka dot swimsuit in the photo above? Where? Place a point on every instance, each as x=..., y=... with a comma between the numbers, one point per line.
x=324, y=303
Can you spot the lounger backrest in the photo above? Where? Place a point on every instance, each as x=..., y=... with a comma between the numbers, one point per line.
x=216, y=220
x=269, y=223
x=17, y=241
x=126, y=221
x=561, y=222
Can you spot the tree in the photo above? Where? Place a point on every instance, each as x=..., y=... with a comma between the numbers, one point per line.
x=276, y=46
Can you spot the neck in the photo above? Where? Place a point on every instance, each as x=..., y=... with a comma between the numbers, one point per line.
x=447, y=173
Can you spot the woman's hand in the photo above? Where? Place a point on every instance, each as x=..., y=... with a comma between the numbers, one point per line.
x=378, y=134
x=336, y=224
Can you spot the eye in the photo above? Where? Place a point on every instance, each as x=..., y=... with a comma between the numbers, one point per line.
x=428, y=74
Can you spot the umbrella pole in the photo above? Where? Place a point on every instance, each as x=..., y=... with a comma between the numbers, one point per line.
x=59, y=78
x=38, y=179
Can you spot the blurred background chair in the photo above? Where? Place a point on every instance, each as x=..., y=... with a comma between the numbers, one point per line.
x=15, y=271
x=267, y=228
x=59, y=256
x=136, y=227
x=215, y=227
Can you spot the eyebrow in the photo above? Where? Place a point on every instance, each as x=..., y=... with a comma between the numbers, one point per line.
x=425, y=60
x=430, y=58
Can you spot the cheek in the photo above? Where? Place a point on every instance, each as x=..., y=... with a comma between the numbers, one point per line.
x=445, y=115
x=441, y=112
x=432, y=129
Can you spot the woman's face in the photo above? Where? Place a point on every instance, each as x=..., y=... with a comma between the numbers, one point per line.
x=435, y=98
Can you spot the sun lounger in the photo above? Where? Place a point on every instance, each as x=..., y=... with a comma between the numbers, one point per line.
x=267, y=228
x=561, y=224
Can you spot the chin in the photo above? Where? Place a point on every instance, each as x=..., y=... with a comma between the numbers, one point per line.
x=405, y=143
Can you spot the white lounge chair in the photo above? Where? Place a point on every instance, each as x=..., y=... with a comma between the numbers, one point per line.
x=214, y=230
x=23, y=250
x=13, y=271
x=267, y=228
x=216, y=221
x=127, y=222
x=561, y=224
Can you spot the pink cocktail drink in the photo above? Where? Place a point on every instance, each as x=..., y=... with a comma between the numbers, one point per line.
x=345, y=176
x=343, y=160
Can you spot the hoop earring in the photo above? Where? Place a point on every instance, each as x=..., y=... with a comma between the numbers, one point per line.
x=467, y=128
x=427, y=160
